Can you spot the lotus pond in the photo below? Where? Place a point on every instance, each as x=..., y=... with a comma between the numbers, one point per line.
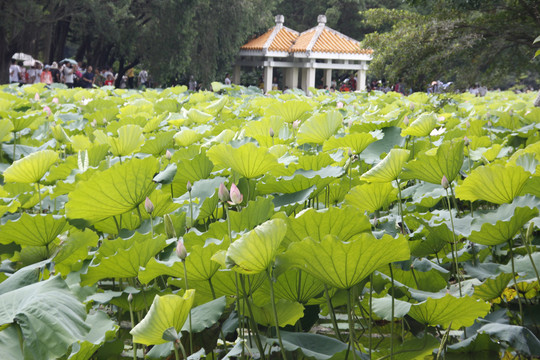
x=229, y=224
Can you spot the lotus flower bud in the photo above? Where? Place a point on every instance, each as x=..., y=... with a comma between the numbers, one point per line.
x=236, y=196
x=375, y=221
x=169, y=227
x=444, y=182
x=349, y=123
x=406, y=120
x=130, y=298
x=295, y=124
x=530, y=230
x=441, y=118
x=271, y=132
x=467, y=124
x=148, y=206
x=47, y=110
x=339, y=105
x=511, y=112
x=36, y=97
x=411, y=106
x=223, y=193
x=181, y=251
x=466, y=141
x=55, y=100
x=168, y=155
x=489, y=123
x=188, y=186
x=350, y=153
x=94, y=123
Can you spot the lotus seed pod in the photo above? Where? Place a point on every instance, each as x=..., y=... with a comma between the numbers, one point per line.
x=271, y=131
x=168, y=155
x=223, y=193
x=169, y=227
x=188, y=186
x=236, y=196
x=444, y=182
x=148, y=205
x=181, y=251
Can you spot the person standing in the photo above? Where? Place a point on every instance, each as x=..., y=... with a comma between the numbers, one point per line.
x=192, y=83
x=131, y=76
x=14, y=72
x=87, y=79
x=67, y=75
x=46, y=76
x=55, y=72
x=143, y=79
x=227, y=79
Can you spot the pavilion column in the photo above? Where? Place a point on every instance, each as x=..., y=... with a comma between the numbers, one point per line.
x=310, y=78
x=328, y=75
x=236, y=75
x=268, y=76
x=361, y=77
x=291, y=78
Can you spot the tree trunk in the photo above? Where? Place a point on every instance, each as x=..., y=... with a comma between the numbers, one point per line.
x=537, y=100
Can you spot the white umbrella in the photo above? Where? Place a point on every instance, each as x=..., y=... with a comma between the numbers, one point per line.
x=21, y=56
x=32, y=62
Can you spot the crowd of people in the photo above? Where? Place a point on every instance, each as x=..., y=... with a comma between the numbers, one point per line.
x=74, y=74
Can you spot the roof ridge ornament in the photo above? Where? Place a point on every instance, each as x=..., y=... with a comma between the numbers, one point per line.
x=279, y=19
x=321, y=19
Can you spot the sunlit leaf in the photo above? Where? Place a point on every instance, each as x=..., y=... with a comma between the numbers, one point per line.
x=31, y=168
x=248, y=160
x=33, y=230
x=422, y=126
x=431, y=168
x=289, y=110
x=288, y=312
x=389, y=168
x=371, y=197
x=129, y=139
x=318, y=128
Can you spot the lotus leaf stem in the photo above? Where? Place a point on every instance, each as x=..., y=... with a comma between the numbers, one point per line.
x=370, y=329
x=132, y=326
x=190, y=328
x=352, y=339
x=393, y=309
x=251, y=318
x=274, y=310
x=454, y=245
x=400, y=208
x=510, y=244
x=332, y=313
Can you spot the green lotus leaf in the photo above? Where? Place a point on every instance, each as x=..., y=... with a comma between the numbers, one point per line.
x=248, y=160
x=357, y=142
x=316, y=224
x=389, y=168
x=422, y=126
x=193, y=169
x=260, y=131
x=288, y=312
x=494, y=183
x=50, y=317
x=122, y=258
x=254, y=251
x=198, y=116
x=382, y=307
x=23, y=121
x=300, y=180
x=114, y=191
x=6, y=127
x=166, y=311
x=344, y=264
x=102, y=329
x=129, y=139
x=198, y=263
x=371, y=197
x=290, y=110
x=293, y=285
x=216, y=106
x=31, y=168
x=492, y=288
x=318, y=128
x=187, y=137
x=449, y=310
x=33, y=230
x=223, y=283
x=129, y=221
x=158, y=144
x=501, y=225
x=431, y=168
x=205, y=315
x=74, y=250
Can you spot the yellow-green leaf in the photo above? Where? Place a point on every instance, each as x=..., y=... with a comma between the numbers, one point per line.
x=32, y=168
x=389, y=168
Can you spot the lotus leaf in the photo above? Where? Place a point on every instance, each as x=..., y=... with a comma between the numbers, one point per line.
x=129, y=139
x=389, y=168
x=31, y=168
x=289, y=312
x=422, y=126
x=33, y=230
x=248, y=160
x=492, y=288
x=290, y=110
x=318, y=128
x=357, y=142
x=371, y=197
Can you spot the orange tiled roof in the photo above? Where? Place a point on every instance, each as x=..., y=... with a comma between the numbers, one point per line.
x=281, y=42
x=303, y=41
x=258, y=43
x=331, y=41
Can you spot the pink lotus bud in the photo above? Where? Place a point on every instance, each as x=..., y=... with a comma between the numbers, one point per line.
x=181, y=251
x=467, y=124
x=148, y=206
x=466, y=141
x=444, y=182
x=168, y=155
x=94, y=123
x=47, y=110
x=406, y=120
x=271, y=131
x=169, y=226
x=36, y=97
x=440, y=118
x=55, y=100
x=236, y=196
x=411, y=106
x=340, y=105
x=295, y=124
x=223, y=193
x=188, y=186
x=511, y=112
x=489, y=123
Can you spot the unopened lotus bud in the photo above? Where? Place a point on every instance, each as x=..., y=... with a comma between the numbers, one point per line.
x=350, y=153
x=168, y=155
x=467, y=124
x=169, y=227
x=36, y=97
x=181, y=251
x=489, y=123
x=349, y=123
x=236, y=195
x=411, y=106
x=375, y=221
x=47, y=110
x=55, y=100
x=406, y=120
x=148, y=205
x=339, y=105
x=188, y=186
x=440, y=118
x=444, y=182
x=94, y=123
x=223, y=193
x=271, y=132
x=466, y=141
x=511, y=112
x=295, y=124
x=530, y=230
x=130, y=298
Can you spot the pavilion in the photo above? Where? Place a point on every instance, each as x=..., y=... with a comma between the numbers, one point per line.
x=301, y=54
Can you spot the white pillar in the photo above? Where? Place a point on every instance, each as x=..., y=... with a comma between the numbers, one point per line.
x=303, y=80
x=268, y=77
x=291, y=78
x=328, y=75
x=310, y=78
x=361, y=77
x=236, y=75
